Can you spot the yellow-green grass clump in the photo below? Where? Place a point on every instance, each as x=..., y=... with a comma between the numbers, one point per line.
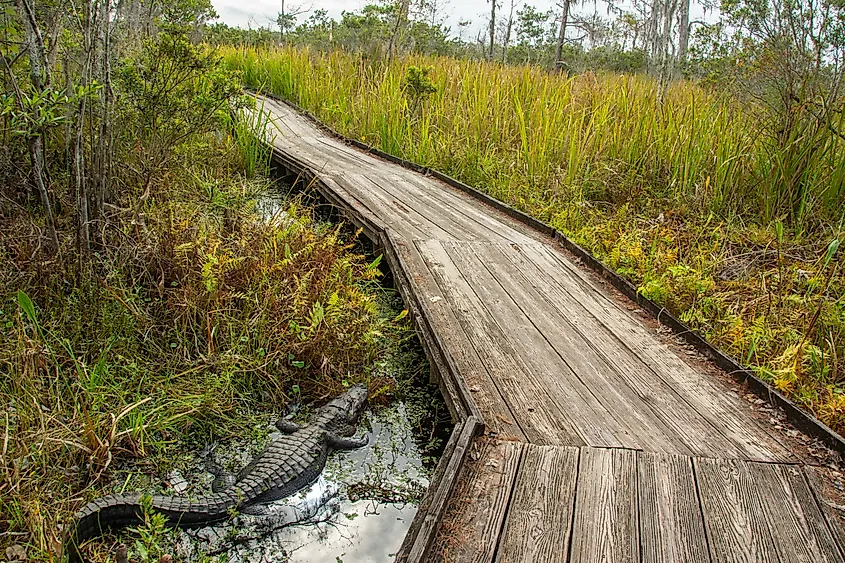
x=192, y=315
x=687, y=197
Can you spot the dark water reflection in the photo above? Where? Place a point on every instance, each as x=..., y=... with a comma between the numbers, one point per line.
x=358, y=511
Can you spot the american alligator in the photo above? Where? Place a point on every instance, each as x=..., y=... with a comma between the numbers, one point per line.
x=287, y=465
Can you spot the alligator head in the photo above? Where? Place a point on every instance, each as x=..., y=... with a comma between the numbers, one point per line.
x=346, y=408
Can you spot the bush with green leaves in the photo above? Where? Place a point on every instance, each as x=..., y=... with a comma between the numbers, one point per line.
x=172, y=91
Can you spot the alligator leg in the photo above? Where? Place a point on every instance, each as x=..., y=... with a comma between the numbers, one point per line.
x=222, y=478
x=287, y=426
x=341, y=443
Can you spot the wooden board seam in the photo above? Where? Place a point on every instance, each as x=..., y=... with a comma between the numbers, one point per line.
x=824, y=513
x=707, y=540
x=569, y=547
x=389, y=243
x=507, y=508
x=803, y=420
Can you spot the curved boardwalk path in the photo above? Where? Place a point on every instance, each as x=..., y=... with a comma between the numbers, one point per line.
x=603, y=439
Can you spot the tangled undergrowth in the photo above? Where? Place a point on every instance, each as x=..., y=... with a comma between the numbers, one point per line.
x=685, y=197
x=193, y=313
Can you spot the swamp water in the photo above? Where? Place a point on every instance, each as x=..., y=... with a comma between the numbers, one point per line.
x=361, y=507
x=358, y=510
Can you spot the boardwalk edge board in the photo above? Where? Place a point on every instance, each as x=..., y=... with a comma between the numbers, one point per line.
x=797, y=416
x=801, y=419
x=426, y=522
x=448, y=372
x=417, y=543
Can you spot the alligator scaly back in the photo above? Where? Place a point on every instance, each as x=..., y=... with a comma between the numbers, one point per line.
x=287, y=465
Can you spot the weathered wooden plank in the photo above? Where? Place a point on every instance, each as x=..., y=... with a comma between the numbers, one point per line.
x=796, y=524
x=405, y=202
x=545, y=367
x=606, y=527
x=459, y=352
x=539, y=418
x=429, y=497
x=730, y=415
x=450, y=374
x=657, y=398
x=447, y=481
x=402, y=191
x=485, y=221
x=539, y=520
x=352, y=208
x=613, y=389
x=409, y=224
x=671, y=524
x=733, y=514
x=821, y=481
x=476, y=511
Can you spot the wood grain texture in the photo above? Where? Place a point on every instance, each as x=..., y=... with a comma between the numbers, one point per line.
x=544, y=368
x=827, y=485
x=733, y=512
x=477, y=508
x=427, y=503
x=684, y=430
x=671, y=525
x=705, y=396
x=606, y=526
x=461, y=404
x=446, y=484
x=798, y=528
x=539, y=521
x=454, y=342
x=823, y=483
x=536, y=414
x=637, y=424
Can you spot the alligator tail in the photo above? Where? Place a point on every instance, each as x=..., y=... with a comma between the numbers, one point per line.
x=113, y=512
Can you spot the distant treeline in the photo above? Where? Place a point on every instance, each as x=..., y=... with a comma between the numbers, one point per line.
x=370, y=31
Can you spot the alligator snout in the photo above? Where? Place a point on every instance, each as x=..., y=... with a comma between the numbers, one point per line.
x=356, y=397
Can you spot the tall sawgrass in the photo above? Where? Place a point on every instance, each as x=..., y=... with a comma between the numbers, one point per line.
x=532, y=137
x=248, y=131
x=695, y=198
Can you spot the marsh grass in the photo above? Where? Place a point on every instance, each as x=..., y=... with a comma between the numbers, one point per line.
x=194, y=315
x=247, y=127
x=684, y=197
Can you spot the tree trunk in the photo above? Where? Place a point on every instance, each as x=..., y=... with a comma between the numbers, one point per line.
x=401, y=17
x=561, y=36
x=80, y=180
x=40, y=78
x=683, y=32
x=38, y=71
x=36, y=154
x=666, y=62
x=282, y=24
x=105, y=141
x=507, y=39
x=492, y=28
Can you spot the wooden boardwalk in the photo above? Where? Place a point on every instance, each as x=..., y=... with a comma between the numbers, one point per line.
x=603, y=440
